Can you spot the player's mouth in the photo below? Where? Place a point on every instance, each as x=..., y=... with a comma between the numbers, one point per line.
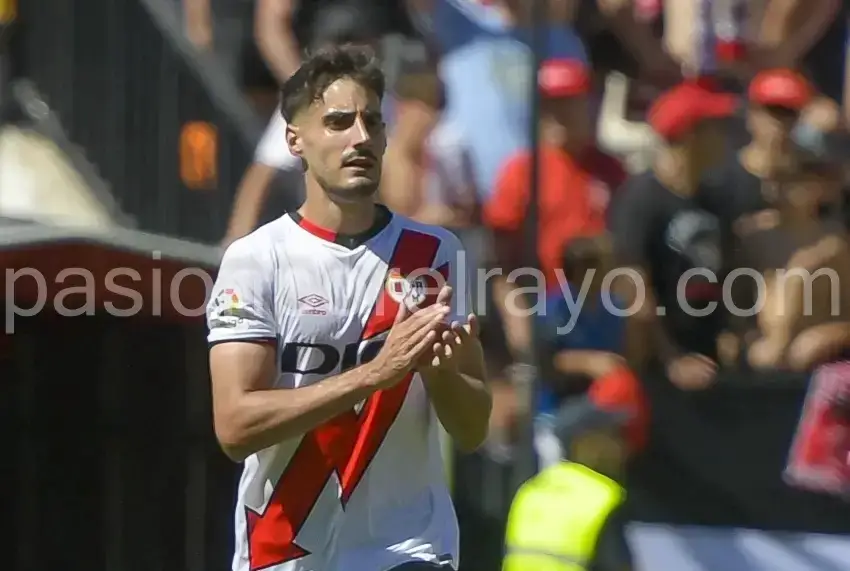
x=361, y=162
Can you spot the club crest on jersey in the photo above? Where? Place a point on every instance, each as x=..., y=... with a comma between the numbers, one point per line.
x=401, y=289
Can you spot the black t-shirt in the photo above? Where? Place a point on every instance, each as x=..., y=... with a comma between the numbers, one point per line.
x=612, y=549
x=667, y=235
x=731, y=193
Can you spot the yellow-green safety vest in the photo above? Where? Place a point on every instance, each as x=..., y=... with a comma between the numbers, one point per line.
x=556, y=518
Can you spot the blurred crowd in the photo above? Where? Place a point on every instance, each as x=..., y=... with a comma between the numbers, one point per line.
x=680, y=142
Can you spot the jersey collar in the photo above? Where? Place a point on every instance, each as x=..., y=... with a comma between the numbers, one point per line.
x=382, y=219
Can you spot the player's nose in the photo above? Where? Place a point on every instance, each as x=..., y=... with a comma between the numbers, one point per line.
x=360, y=132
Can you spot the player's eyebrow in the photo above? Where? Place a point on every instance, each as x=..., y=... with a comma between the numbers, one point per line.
x=342, y=113
x=339, y=113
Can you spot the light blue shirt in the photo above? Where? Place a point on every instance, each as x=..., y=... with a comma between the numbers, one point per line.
x=486, y=69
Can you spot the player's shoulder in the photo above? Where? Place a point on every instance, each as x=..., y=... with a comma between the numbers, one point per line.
x=262, y=243
x=446, y=237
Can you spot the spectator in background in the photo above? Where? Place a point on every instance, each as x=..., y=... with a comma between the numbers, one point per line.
x=746, y=183
x=661, y=232
x=225, y=29
x=286, y=28
x=584, y=341
x=485, y=64
x=428, y=175
x=801, y=323
x=576, y=185
x=809, y=35
x=272, y=161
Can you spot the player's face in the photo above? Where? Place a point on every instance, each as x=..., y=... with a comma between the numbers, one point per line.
x=343, y=140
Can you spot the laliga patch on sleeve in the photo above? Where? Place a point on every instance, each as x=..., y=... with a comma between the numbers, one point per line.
x=228, y=310
x=819, y=459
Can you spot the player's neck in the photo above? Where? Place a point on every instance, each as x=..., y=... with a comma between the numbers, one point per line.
x=348, y=219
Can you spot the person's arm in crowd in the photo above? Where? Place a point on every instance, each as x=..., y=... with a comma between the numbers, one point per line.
x=197, y=16
x=783, y=344
x=504, y=213
x=275, y=38
x=404, y=169
x=592, y=364
x=271, y=157
x=638, y=37
x=249, y=413
x=790, y=28
x=556, y=325
x=251, y=196
x=615, y=133
x=452, y=200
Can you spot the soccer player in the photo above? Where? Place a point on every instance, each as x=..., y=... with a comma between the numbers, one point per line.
x=339, y=339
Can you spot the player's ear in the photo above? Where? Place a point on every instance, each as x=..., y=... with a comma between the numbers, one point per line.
x=293, y=140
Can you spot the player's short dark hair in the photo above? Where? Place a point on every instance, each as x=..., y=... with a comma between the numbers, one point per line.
x=326, y=66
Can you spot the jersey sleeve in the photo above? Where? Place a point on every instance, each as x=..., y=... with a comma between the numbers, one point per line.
x=453, y=258
x=242, y=304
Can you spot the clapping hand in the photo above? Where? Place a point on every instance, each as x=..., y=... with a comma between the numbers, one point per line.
x=457, y=347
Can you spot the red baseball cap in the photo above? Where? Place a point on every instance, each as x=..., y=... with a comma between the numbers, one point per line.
x=679, y=110
x=563, y=78
x=780, y=88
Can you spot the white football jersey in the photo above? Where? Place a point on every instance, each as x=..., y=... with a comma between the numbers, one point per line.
x=366, y=491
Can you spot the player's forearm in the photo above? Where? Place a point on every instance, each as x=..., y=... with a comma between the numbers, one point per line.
x=260, y=419
x=463, y=404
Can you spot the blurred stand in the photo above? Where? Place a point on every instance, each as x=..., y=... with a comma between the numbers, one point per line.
x=161, y=123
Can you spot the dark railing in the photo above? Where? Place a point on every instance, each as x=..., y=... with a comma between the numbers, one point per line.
x=124, y=82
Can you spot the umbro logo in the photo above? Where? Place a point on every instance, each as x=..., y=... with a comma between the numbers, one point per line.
x=313, y=304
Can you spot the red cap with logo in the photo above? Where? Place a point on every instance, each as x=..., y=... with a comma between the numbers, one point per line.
x=780, y=88
x=679, y=110
x=563, y=78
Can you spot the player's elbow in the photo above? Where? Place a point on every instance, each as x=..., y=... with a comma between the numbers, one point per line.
x=233, y=439
x=471, y=441
x=474, y=433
